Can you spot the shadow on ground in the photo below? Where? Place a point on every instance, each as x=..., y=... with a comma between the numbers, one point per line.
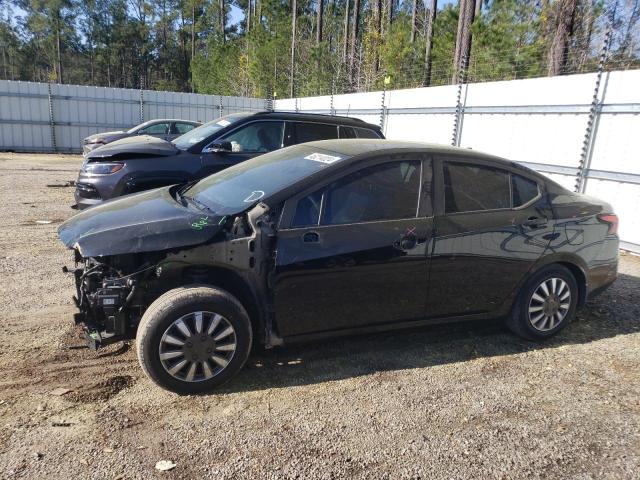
x=613, y=313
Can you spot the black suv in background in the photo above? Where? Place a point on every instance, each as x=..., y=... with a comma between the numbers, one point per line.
x=144, y=162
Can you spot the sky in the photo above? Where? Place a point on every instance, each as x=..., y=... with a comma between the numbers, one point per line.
x=236, y=15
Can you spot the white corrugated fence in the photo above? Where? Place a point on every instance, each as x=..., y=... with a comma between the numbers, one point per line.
x=40, y=117
x=540, y=122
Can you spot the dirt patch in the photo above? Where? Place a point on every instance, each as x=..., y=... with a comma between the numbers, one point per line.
x=103, y=390
x=453, y=401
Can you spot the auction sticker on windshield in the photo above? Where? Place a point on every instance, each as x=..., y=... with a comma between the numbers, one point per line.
x=321, y=157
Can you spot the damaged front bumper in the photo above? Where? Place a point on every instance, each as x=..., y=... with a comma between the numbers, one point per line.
x=102, y=300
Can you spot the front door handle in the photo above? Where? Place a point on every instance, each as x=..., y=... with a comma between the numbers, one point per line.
x=406, y=242
x=311, y=237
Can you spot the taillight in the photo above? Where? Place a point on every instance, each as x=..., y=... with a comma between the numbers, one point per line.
x=612, y=221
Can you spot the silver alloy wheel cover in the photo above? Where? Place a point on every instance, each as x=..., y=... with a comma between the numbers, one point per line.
x=549, y=304
x=197, y=346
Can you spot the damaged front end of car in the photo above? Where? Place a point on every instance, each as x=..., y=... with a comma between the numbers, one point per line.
x=126, y=261
x=108, y=299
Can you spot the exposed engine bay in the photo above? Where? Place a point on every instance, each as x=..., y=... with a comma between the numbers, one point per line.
x=113, y=292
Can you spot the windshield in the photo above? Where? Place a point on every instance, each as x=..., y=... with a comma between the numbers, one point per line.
x=238, y=187
x=202, y=132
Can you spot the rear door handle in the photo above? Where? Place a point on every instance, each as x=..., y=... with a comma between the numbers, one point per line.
x=535, y=222
x=311, y=237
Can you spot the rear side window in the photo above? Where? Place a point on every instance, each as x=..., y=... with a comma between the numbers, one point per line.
x=366, y=133
x=470, y=188
x=523, y=190
x=308, y=132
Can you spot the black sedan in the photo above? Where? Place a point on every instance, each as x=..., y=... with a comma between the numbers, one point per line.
x=330, y=238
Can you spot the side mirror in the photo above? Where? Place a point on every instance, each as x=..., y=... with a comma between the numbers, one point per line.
x=218, y=147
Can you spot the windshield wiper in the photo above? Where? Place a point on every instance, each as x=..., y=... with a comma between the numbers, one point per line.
x=186, y=187
x=195, y=202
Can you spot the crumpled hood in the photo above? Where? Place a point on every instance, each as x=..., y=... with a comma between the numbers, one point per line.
x=136, y=145
x=143, y=222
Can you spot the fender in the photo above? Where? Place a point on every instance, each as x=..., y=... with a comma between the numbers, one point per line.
x=574, y=262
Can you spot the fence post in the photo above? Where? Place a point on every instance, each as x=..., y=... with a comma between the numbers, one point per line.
x=332, y=110
x=269, y=100
x=457, y=121
x=383, y=108
x=52, y=124
x=220, y=106
x=141, y=99
x=594, y=113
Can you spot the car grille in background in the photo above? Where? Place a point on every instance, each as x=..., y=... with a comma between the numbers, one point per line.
x=86, y=191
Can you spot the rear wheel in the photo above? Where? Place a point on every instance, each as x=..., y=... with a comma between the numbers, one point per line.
x=193, y=339
x=546, y=303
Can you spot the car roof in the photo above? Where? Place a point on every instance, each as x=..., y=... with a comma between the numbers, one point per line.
x=318, y=118
x=160, y=120
x=355, y=147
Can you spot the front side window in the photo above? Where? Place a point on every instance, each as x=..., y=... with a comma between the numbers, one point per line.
x=470, y=188
x=388, y=191
x=309, y=132
x=157, y=129
x=181, y=128
x=207, y=130
x=256, y=137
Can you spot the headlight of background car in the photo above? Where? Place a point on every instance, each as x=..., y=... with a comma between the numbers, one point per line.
x=103, y=168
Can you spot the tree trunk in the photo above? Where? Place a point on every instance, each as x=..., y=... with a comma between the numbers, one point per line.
x=428, y=35
x=414, y=12
x=248, y=17
x=319, y=22
x=222, y=21
x=193, y=41
x=4, y=62
x=345, y=46
x=294, y=18
x=463, y=38
x=478, y=8
x=354, y=38
x=379, y=32
x=564, y=31
x=58, y=52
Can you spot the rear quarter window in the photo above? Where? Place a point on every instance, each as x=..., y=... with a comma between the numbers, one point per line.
x=523, y=190
x=366, y=133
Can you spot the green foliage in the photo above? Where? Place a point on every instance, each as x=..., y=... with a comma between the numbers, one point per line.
x=179, y=44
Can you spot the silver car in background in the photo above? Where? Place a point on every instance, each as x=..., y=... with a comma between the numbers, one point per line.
x=166, y=129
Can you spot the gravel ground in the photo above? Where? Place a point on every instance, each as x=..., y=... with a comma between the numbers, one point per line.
x=462, y=401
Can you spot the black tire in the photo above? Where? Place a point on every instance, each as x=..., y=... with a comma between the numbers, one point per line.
x=180, y=303
x=520, y=322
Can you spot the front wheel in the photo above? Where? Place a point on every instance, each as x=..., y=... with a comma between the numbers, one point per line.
x=546, y=303
x=193, y=339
